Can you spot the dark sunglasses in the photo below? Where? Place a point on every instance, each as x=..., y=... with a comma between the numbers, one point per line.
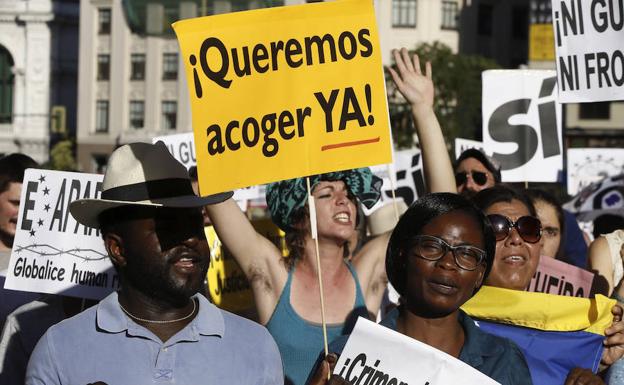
x=529, y=228
x=479, y=177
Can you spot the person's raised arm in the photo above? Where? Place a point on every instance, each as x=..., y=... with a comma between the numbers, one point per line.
x=257, y=256
x=419, y=92
x=370, y=263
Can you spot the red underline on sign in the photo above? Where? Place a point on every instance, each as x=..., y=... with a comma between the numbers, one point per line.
x=349, y=144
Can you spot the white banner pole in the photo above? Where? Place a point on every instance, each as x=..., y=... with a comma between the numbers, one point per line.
x=313, y=230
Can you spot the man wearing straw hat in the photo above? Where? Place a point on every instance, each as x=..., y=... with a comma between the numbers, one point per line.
x=156, y=328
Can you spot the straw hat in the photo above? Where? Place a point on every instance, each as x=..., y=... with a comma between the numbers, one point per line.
x=142, y=174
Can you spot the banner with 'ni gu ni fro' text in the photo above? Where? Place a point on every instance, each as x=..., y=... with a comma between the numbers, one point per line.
x=52, y=253
x=285, y=92
x=590, y=52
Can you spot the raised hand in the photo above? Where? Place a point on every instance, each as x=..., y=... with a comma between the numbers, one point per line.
x=418, y=90
x=413, y=85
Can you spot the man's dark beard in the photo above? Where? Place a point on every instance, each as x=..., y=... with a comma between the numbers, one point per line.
x=155, y=282
x=469, y=194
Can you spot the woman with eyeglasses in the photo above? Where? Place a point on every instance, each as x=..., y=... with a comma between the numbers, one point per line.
x=518, y=234
x=438, y=256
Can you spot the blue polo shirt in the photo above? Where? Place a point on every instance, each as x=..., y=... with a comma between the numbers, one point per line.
x=496, y=357
x=103, y=344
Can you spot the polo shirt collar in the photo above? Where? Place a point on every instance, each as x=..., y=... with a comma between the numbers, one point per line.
x=208, y=322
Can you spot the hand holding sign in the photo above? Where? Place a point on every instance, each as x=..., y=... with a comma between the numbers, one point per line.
x=322, y=374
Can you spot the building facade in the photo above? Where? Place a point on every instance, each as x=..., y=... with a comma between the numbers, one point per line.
x=38, y=70
x=132, y=85
x=496, y=29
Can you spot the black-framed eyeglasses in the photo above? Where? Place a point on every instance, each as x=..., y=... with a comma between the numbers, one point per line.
x=529, y=228
x=433, y=248
x=479, y=177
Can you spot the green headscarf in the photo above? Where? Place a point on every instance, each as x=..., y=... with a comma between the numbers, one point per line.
x=285, y=197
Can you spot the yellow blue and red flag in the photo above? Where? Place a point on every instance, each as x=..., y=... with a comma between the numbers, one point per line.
x=555, y=333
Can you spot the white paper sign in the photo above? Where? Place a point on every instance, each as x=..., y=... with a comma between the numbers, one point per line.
x=522, y=124
x=407, y=176
x=589, y=165
x=52, y=253
x=376, y=352
x=182, y=147
x=590, y=52
x=462, y=145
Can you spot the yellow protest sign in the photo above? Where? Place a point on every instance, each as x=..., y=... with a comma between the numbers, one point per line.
x=227, y=285
x=541, y=42
x=284, y=92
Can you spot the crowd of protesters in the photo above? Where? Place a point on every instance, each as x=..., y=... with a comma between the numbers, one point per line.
x=470, y=230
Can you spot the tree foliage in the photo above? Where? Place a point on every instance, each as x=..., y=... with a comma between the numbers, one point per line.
x=62, y=156
x=457, y=81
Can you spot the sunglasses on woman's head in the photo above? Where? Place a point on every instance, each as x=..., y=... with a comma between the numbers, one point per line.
x=479, y=177
x=529, y=228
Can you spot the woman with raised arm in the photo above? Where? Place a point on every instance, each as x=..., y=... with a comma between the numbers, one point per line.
x=286, y=290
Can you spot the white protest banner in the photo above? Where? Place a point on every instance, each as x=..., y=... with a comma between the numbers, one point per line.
x=560, y=278
x=375, y=353
x=462, y=145
x=590, y=53
x=589, y=165
x=408, y=178
x=522, y=124
x=182, y=147
x=52, y=253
